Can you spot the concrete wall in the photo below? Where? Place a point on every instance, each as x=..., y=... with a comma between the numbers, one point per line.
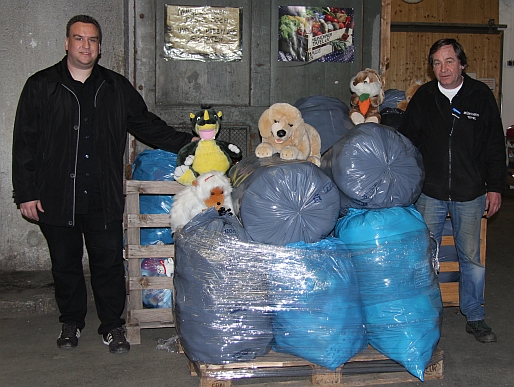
x=32, y=38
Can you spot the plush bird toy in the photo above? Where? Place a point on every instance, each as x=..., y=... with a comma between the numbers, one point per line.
x=206, y=154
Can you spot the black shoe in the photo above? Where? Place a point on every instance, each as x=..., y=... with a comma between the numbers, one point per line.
x=116, y=340
x=69, y=337
x=481, y=330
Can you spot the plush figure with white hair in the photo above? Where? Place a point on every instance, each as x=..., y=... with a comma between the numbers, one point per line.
x=211, y=189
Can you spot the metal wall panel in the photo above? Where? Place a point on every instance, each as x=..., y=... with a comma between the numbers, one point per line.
x=244, y=89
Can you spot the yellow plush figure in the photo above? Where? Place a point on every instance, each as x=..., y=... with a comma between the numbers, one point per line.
x=207, y=154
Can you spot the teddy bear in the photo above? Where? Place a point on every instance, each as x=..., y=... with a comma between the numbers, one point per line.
x=284, y=131
x=367, y=95
x=211, y=189
x=207, y=154
x=402, y=105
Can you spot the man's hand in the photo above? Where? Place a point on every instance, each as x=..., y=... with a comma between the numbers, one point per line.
x=493, y=202
x=29, y=209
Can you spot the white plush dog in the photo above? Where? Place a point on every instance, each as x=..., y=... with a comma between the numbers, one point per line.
x=211, y=189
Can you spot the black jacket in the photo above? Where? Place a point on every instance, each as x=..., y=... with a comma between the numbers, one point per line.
x=462, y=143
x=45, y=140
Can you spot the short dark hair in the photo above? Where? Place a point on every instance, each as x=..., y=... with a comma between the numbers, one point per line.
x=459, y=51
x=84, y=19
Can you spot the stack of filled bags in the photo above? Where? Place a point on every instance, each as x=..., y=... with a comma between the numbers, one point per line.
x=288, y=272
x=275, y=279
x=236, y=299
x=155, y=165
x=380, y=174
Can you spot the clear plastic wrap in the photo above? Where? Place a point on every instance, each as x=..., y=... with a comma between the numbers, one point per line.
x=373, y=283
x=391, y=252
x=281, y=202
x=236, y=298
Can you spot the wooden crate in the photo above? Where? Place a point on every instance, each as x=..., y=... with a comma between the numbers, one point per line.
x=367, y=368
x=450, y=290
x=138, y=317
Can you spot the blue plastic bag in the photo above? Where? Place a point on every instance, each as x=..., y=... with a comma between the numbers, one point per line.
x=155, y=165
x=391, y=253
x=318, y=312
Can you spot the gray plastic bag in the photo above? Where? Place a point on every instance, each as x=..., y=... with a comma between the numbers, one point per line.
x=375, y=166
x=281, y=202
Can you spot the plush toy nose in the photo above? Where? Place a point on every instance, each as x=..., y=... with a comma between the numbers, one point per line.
x=281, y=133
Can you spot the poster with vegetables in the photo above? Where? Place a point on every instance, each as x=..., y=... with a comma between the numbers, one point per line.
x=323, y=34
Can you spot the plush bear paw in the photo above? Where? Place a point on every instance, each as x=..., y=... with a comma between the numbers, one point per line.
x=315, y=160
x=263, y=150
x=372, y=119
x=357, y=118
x=290, y=153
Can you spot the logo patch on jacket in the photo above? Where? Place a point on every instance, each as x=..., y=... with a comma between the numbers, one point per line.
x=472, y=116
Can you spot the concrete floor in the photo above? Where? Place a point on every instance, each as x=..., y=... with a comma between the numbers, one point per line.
x=29, y=328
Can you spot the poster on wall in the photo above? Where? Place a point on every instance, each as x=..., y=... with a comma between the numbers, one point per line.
x=323, y=34
x=203, y=33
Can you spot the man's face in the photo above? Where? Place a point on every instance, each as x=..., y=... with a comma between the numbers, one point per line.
x=447, y=67
x=83, y=45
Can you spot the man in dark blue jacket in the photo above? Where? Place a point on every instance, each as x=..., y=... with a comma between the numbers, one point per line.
x=68, y=144
x=455, y=122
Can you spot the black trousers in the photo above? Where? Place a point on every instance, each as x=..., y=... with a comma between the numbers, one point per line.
x=104, y=244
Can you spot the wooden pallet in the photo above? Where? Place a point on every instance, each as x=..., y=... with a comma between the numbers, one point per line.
x=138, y=317
x=367, y=368
x=450, y=290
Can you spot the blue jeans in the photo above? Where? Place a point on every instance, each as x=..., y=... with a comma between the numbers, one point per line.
x=466, y=221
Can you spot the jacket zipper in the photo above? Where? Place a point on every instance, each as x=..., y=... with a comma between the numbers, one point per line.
x=76, y=153
x=450, y=161
x=449, y=150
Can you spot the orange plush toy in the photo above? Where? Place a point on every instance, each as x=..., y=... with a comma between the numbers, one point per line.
x=402, y=105
x=367, y=95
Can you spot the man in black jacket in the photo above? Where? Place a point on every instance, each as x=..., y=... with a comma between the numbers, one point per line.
x=68, y=145
x=455, y=122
